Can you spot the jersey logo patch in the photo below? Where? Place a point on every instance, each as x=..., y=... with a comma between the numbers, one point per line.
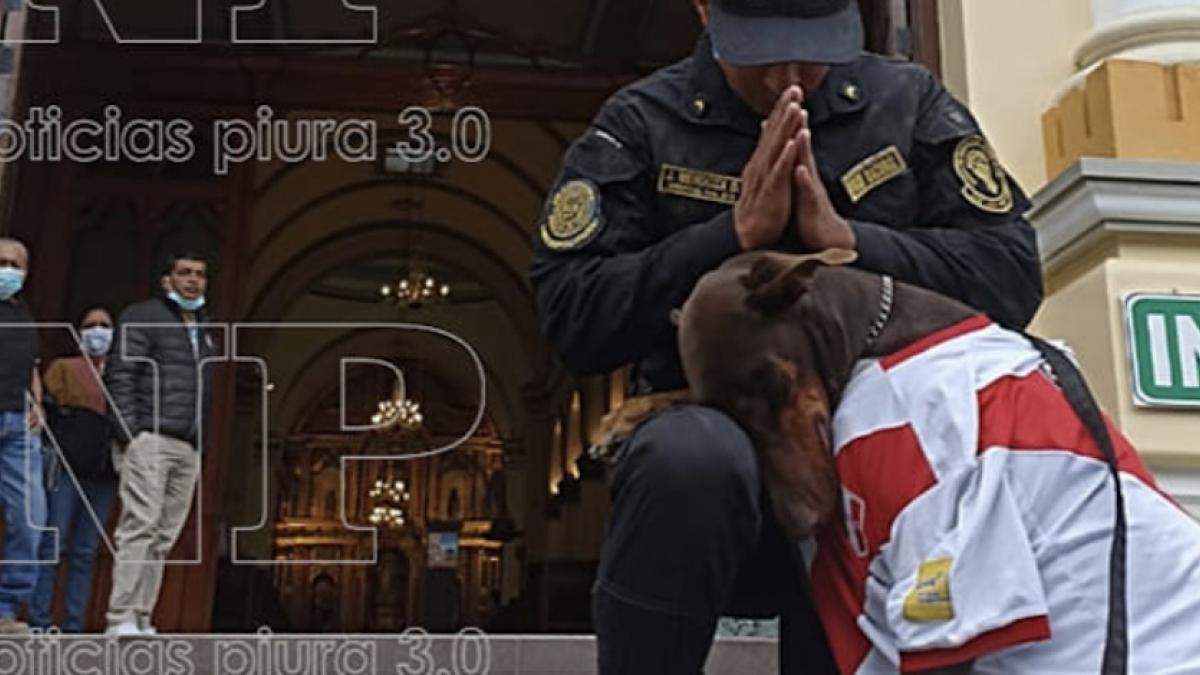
x=574, y=217
x=930, y=599
x=985, y=184
x=872, y=172
x=702, y=185
x=856, y=523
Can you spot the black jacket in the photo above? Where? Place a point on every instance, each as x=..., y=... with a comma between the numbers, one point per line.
x=642, y=207
x=18, y=353
x=153, y=332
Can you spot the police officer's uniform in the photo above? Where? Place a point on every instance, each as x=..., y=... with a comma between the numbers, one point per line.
x=643, y=208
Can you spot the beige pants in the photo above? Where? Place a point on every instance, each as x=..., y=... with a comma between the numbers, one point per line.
x=158, y=481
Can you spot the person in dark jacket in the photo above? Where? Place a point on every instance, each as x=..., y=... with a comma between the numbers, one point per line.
x=21, y=491
x=780, y=133
x=80, y=490
x=161, y=390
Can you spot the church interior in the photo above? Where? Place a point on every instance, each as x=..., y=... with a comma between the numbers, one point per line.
x=376, y=312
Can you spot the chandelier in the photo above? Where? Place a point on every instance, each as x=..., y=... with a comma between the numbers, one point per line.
x=416, y=289
x=403, y=412
x=392, y=496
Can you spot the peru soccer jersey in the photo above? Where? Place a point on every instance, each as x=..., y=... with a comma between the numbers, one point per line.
x=976, y=523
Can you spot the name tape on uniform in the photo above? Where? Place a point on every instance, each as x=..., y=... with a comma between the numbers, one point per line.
x=702, y=185
x=873, y=171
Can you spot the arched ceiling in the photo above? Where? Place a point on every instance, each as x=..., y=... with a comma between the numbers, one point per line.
x=623, y=31
x=324, y=236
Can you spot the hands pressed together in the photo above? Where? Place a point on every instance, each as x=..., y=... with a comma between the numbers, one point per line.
x=781, y=186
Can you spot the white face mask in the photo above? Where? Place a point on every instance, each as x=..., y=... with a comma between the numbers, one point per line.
x=97, y=340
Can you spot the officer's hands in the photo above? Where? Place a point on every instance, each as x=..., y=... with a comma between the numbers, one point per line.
x=819, y=225
x=761, y=212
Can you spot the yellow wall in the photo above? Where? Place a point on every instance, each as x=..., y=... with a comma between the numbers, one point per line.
x=1007, y=59
x=1085, y=309
x=1011, y=61
x=1127, y=109
x=1158, y=265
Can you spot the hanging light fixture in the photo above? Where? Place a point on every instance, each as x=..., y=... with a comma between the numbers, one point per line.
x=391, y=496
x=415, y=290
x=404, y=412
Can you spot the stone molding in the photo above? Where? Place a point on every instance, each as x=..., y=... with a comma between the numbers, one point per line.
x=1097, y=197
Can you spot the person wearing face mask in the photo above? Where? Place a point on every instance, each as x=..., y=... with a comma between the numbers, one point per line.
x=21, y=491
x=81, y=486
x=160, y=463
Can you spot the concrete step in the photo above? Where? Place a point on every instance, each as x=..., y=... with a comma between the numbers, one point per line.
x=413, y=653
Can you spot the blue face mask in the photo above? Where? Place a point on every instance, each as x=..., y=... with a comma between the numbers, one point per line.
x=97, y=341
x=11, y=281
x=185, y=304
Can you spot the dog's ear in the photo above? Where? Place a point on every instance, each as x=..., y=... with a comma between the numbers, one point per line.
x=777, y=282
x=834, y=256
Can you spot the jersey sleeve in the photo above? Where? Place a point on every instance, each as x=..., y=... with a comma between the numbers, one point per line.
x=960, y=578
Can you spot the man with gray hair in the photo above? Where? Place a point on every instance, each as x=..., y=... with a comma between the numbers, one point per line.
x=21, y=492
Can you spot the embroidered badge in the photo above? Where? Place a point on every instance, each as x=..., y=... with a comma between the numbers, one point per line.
x=930, y=599
x=872, y=172
x=985, y=184
x=574, y=217
x=701, y=185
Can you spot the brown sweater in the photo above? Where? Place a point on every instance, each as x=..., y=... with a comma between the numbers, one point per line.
x=75, y=382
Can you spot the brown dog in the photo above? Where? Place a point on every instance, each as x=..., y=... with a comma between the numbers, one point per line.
x=761, y=370
x=961, y=507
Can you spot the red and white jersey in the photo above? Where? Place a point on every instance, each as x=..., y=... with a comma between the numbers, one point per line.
x=977, y=522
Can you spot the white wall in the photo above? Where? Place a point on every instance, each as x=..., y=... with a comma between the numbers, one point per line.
x=1109, y=10
x=1007, y=59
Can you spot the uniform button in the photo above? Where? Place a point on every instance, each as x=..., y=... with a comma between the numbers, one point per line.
x=851, y=92
x=699, y=106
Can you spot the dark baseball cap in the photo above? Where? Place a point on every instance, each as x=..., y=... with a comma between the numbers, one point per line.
x=758, y=32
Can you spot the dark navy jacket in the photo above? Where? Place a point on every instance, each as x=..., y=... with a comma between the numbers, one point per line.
x=643, y=205
x=152, y=341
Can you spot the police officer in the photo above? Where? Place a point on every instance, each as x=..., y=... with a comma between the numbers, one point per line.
x=778, y=132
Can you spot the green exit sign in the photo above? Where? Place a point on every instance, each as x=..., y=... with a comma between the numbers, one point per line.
x=1164, y=346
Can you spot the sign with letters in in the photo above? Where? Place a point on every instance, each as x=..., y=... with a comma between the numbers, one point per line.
x=1164, y=349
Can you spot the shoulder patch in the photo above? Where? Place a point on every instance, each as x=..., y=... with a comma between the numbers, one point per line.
x=574, y=216
x=872, y=172
x=929, y=600
x=985, y=183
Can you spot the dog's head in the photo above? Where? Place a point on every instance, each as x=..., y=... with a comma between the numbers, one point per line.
x=759, y=344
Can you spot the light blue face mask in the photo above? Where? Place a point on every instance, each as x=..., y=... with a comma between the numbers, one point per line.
x=97, y=341
x=11, y=281
x=186, y=304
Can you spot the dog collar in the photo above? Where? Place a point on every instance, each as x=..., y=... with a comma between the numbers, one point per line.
x=887, y=293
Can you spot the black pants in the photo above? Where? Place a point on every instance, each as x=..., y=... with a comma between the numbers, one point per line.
x=691, y=538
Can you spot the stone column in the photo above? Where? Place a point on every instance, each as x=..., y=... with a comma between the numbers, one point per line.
x=1163, y=31
x=1136, y=93
x=1119, y=215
